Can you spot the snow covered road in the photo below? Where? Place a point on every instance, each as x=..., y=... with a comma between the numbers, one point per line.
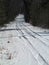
x=23, y=44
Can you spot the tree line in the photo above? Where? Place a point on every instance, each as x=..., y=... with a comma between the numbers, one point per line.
x=35, y=12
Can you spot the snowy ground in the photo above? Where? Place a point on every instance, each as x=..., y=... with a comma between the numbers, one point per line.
x=23, y=44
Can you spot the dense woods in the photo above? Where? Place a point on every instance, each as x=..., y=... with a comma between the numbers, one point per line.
x=9, y=9
x=35, y=11
x=39, y=13
x=2, y=11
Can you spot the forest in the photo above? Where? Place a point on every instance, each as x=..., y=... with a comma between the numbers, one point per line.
x=35, y=12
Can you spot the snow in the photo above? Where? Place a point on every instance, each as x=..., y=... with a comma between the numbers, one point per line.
x=23, y=44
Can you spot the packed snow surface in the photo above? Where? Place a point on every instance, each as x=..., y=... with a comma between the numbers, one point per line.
x=23, y=44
